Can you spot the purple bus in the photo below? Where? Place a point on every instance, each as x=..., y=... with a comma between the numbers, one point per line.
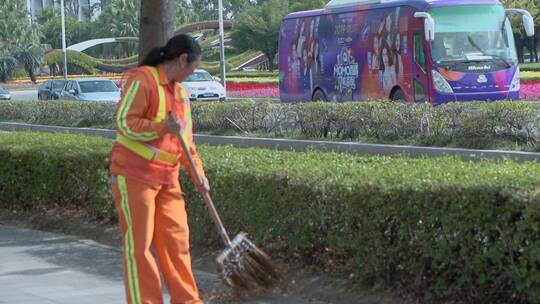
x=434, y=51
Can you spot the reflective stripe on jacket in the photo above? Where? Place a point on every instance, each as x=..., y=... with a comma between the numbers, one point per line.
x=143, y=149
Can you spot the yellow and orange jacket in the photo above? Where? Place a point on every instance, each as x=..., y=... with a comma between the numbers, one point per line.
x=143, y=150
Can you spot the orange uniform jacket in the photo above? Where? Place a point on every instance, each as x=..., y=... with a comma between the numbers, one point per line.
x=136, y=115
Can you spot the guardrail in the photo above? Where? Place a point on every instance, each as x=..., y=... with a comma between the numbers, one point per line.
x=304, y=145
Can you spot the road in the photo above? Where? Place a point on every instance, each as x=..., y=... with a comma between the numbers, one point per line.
x=24, y=95
x=49, y=268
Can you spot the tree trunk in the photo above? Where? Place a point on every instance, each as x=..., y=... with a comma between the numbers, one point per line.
x=519, y=47
x=31, y=74
x=270, y=55
x=156, y=24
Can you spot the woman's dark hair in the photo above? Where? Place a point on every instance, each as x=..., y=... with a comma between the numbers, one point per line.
x=176, y=46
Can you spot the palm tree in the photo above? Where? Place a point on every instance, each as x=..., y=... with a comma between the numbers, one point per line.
x=126, y=18
x=19, y=39
x=8, y=66
x=31, y=58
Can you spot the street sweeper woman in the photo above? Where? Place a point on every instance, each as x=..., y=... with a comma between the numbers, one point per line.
x=144, y=165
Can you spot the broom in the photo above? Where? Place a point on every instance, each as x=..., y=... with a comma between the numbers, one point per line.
x=243, y=265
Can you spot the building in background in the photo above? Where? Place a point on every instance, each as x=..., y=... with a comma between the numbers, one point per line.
x=82, y=10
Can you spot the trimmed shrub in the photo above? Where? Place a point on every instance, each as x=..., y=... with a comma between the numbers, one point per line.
x=86, y=64
x=530, y=67
x=257, y=74
x=506, y=124
x=266, y=80
x=44, y=171
x=60, y=113
x=442, y=228
x=530, y=76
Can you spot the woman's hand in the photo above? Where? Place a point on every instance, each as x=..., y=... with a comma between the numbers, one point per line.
x=204, y=186
x=172, y=124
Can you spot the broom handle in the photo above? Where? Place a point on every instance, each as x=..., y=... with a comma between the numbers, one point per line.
x=206, y=196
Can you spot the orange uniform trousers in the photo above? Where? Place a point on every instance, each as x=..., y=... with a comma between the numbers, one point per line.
x=154, y=216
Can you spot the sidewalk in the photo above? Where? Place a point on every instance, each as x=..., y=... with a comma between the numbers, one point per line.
x=46, y=268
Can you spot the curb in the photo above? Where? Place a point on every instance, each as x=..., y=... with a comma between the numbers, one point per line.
x=305, y=145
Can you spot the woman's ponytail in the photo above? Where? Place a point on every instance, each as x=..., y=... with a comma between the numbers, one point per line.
x=176, y=46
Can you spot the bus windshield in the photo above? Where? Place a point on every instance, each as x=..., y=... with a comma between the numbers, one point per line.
x=472, y=34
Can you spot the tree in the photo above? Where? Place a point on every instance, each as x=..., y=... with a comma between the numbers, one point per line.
x=122, y=16
x=208, y=9
x=257, y=28
x=156, y=24
x=51, y=29
x=304, y=5
x=31, y=57
x=185, y=14
x=17, y=33
x=8, y=64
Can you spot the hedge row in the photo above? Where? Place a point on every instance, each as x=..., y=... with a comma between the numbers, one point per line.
x=59, y=113
x=530, y=76
x=87, y=64
x=269, y=80
x=442, y=229
x=508, y=125
x=530, y=67
x=257, y=74
x=505, y=125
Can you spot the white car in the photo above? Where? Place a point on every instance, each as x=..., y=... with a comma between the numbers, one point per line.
x=4, y=94
x=203, y=86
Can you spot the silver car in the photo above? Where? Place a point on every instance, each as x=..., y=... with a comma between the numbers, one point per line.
x=91, y=89
x=4, y=94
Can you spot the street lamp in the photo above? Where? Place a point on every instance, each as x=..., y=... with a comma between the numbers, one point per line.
x=221, y=44
x=64, y=51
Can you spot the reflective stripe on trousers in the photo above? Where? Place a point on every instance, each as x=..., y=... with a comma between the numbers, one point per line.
x=154, y=216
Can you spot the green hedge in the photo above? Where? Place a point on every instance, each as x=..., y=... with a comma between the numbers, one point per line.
x=254, y=79
x=443, y=229
x=59, y=113
x=257, y=74
x=508, y=125
x=87, y=64
x=501, y=125
x=530, y=67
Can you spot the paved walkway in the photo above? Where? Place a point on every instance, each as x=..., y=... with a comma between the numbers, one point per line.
x=45, y=268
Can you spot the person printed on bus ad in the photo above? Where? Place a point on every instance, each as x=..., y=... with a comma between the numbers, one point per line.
x=301, y=40
x=305, y=73
x=389, y=74
x=398, y=58
x=294, y=70
x=375, y=56
x=310, y=48
x=388, y=30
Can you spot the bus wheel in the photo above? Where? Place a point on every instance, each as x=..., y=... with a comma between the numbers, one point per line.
x=319, y=96
x=398, y=95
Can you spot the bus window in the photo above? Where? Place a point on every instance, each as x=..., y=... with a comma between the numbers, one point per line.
x=420, y=79
x=419, y=53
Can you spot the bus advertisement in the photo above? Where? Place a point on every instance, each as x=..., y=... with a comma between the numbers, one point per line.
x=434, y=51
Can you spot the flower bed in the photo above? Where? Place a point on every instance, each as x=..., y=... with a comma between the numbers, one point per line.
x=252, y=90
x=530, y=90
x=249, y=86
x=266, y=92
